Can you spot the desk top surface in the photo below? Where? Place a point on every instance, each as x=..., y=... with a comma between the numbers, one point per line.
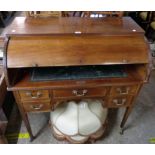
x=74, y=25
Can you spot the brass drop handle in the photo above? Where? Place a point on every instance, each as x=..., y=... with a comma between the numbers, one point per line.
x=119, y=102
x=37, y=107
x=123, y=90
x=30, y=94
x=77, y=93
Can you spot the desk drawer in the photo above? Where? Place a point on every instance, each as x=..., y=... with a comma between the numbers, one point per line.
x=123, y=90
x=37, y=106
x=32, y=95
x=119, y=101
x=75, y=93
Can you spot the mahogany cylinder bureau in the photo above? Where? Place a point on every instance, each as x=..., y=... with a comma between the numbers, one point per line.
x=51, y=60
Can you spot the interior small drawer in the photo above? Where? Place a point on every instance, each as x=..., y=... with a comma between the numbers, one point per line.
x=123, y=90
x=37, y=106
x=119, y=101
x=82, y=92
x=32, y=95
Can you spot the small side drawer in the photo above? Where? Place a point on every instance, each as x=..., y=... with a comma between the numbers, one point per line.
x=37, y=106
x=85, y=92
x=32, y=95
x=123, y=90
x=119, y=101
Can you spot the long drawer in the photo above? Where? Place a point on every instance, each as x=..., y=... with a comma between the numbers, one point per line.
x=80, y=93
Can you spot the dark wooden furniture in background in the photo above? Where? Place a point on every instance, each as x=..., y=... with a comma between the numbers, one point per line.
x=144, y=19
x=41, y=14
x=48, y=42
x=150, y=33
x=5, y=16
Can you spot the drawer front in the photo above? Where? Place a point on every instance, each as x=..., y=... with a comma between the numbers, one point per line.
x=78, y=93
x=119, y=101
x=32, y=95
x=37, y=106
x=123, y=90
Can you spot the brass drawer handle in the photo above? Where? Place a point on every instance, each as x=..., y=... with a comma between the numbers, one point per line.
x=123, y=90
x=77, y=93
x=119, y=102
x=30, y=94
x=37, y=107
